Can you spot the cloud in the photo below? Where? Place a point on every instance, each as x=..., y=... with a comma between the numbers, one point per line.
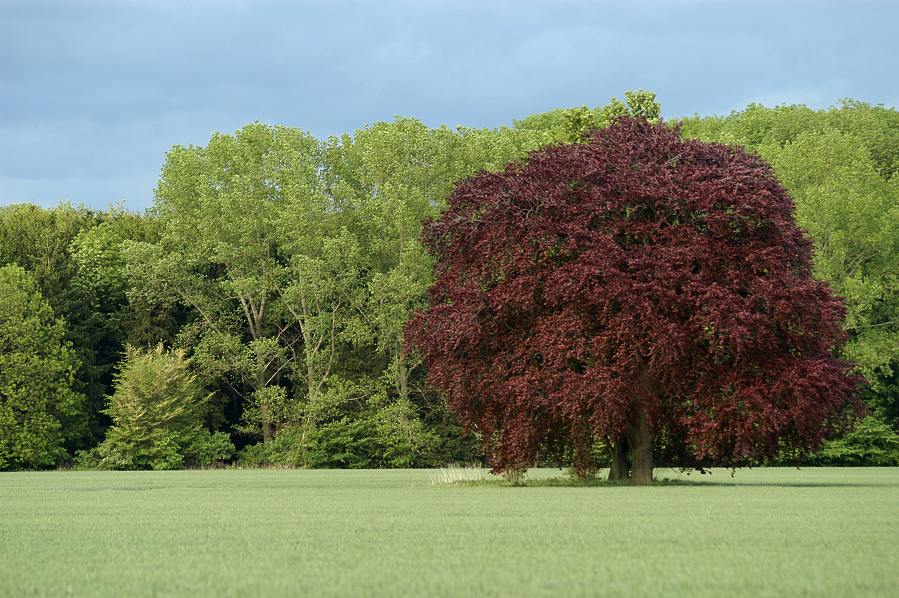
x=93, y=93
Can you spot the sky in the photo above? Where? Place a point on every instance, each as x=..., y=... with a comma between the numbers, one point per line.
x=93, y=93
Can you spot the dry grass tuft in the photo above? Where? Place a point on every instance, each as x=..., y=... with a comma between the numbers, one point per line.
x=455, y=473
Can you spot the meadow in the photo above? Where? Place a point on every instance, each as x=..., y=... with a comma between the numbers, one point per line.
x=763, y=532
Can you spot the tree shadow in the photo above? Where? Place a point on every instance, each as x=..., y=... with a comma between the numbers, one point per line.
x=573, y=482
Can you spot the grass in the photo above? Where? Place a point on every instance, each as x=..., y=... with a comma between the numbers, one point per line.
x=765, y=532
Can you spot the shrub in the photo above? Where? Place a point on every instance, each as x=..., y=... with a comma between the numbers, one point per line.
x=872, y=442
x=209, y=448
x=390, y=436
x=158, y=411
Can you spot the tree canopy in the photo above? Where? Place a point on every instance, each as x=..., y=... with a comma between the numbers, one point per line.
x=639, y=290
x=839, y=166
x=40, y=415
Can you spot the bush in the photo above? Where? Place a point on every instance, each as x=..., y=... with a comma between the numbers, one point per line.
x=350, y=442
x=352, y=424
x=391, y=436
x=149, y=449
x=401, y=435
x=343, y=443
x=209, y=448
x=86, y=460
x=872, y=442
x=254, y=455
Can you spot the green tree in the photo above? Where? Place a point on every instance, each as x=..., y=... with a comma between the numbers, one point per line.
x=216, y=255
x=388, y=179
x=252, y=245
x=871, y=442
x=877, y=127
x=40, y=414
x=73, y=254
x=96, y=317
x=158, y=412
x=38, y=240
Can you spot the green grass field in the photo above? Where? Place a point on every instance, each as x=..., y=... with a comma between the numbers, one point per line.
x=766, y=532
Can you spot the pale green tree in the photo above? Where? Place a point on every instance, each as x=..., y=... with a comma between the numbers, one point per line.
x=877, y=127
x=252, y=244
x=158, y=412
x=218, y=207
x=387, y=179
x=573, y=125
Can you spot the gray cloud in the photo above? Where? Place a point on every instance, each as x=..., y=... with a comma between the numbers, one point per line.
x=92, y=94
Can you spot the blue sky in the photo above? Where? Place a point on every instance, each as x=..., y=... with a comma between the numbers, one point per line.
x=92, y=94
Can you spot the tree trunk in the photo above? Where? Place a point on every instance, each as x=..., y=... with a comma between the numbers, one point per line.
x=267, y=428
x=402, y=379
x=619, y=470
x=641, y=452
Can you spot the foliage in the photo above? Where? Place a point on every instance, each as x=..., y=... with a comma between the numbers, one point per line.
x=158, y=412
x=98, y=323
x=852, y=215
x=632, y=289
x=305, y=266
x=38, y=240
x=839, y=166
x=209, y=448
x=871, y=442
x=287, y=267
x=74, y=256
x=575, y=125
x=251, y=245
x=378, y=432
x=40, y=414
x=757, y=125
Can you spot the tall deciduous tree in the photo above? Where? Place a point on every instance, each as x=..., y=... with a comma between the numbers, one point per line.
x=39, y=412
x=253, y=246
x=386, y=180
x=852, y=215
x=650, y=293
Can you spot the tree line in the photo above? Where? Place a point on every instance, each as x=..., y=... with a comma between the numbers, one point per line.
x=256, y=313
